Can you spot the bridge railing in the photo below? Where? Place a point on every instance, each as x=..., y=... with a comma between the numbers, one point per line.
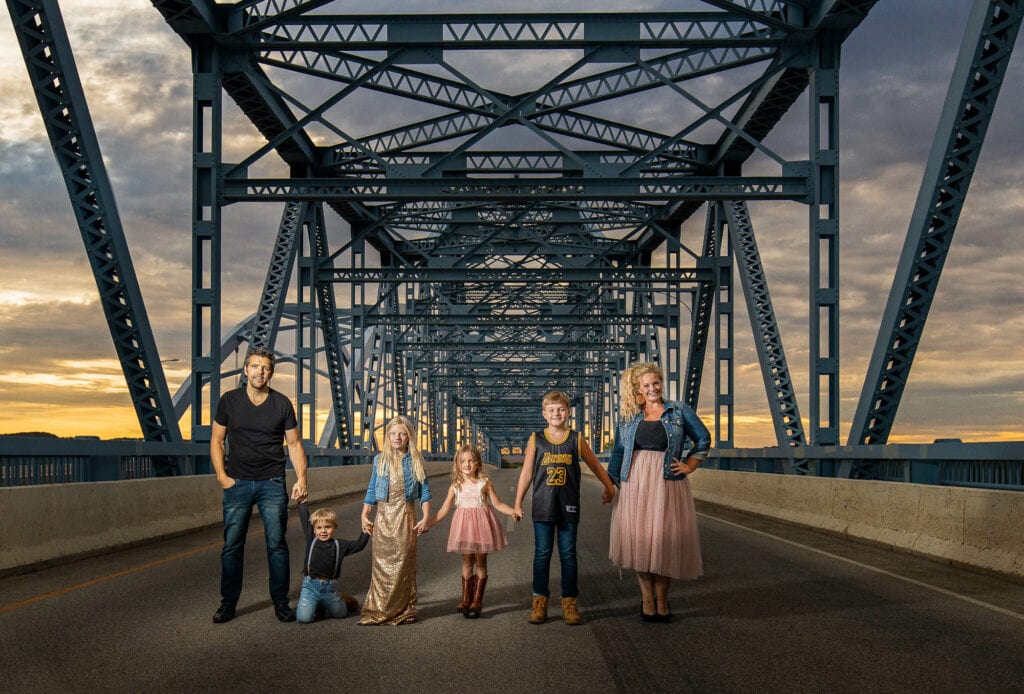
x=38, y=460
x=26, y=460
x=954, y=464
x=951, y=463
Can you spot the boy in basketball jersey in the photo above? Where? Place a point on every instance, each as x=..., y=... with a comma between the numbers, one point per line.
x=551, y=466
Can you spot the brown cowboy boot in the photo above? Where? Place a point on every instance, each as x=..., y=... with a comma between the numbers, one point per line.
x=468, y=584
x=478, y=597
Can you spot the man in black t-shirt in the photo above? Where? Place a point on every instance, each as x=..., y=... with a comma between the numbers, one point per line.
x=254, y=420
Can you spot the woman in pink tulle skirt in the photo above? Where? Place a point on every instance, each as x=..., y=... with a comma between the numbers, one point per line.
x=475, y=529
x=654, y=521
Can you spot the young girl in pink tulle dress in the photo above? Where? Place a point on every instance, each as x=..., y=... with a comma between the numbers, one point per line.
x=475, y=528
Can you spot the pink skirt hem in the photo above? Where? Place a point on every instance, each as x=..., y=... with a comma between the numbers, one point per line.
x=476, y=531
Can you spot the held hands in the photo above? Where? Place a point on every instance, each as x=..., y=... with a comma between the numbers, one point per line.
x=422, y=527
x=517, y=513
x=607, y=494
x=299, y=492
x=367, y=527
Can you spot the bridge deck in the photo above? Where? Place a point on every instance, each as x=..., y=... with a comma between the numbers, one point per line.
x=778, y=609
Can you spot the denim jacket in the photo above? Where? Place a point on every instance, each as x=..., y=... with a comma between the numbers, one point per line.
x=682, y=426
x=377, y=490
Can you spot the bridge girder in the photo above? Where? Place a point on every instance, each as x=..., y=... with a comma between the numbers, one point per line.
x=467, y=266
x=529, y=238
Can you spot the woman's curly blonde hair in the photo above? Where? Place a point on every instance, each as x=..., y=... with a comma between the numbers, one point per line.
x=631, y=402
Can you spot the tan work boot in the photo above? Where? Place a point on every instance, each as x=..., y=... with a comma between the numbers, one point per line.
x=539, y=610
x=569, y=612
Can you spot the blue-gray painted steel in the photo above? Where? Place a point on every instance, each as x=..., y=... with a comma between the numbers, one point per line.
x=44, y=43
x=778, y=383
x=984, y=55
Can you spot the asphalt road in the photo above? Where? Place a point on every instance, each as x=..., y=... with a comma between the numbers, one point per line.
x=779, y=609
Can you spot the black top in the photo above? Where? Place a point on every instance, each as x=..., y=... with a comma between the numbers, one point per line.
x=650, y=436
x=323, y=559
x=255, y=444
x=556, y=478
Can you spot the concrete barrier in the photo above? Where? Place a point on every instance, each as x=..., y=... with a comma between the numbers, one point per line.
x=46, y=524
x=979, y=528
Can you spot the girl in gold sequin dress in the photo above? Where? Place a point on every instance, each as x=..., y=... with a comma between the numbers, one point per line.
x=397, y=482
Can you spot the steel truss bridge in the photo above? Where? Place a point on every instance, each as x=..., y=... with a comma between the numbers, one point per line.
x=496, y=242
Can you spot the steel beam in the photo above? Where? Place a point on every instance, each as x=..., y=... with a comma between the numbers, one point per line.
x=981, y=65
x=46, y=49
x=778, y=383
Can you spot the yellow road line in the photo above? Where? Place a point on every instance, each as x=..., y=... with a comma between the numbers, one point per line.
x=101, y=579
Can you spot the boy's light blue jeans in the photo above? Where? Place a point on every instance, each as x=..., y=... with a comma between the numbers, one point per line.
x=543, y=539
x=319, y=592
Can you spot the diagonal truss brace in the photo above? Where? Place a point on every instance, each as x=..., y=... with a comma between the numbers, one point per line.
x=327, y=309
x=51, y=66
x=982, y=63
x=275, y=287
x=778, y=382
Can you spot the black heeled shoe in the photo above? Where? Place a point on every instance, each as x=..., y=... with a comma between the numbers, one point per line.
x=647, y=617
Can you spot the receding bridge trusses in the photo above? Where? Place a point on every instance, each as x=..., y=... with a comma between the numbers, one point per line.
x=510, y=216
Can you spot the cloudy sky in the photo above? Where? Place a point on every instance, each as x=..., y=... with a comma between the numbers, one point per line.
x=59, y=372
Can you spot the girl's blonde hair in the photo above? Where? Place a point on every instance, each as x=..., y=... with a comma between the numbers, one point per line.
x=631, y=400
x=390, y=460
x=457, y=478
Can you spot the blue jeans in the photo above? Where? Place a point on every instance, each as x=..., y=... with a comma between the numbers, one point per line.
x=318, y=592
x=543, y=539
x=270, y=497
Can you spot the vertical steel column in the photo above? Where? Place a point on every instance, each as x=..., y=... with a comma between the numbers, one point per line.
x=307, y=321
x=206, y=234
x=451, y=423
x=703, y=308
x=362, y=430
x=724, y=334
x=673, y=353
x=824, y=240
x=433, y=405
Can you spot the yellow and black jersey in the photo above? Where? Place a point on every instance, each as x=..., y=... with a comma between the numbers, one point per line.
x=556, y=478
